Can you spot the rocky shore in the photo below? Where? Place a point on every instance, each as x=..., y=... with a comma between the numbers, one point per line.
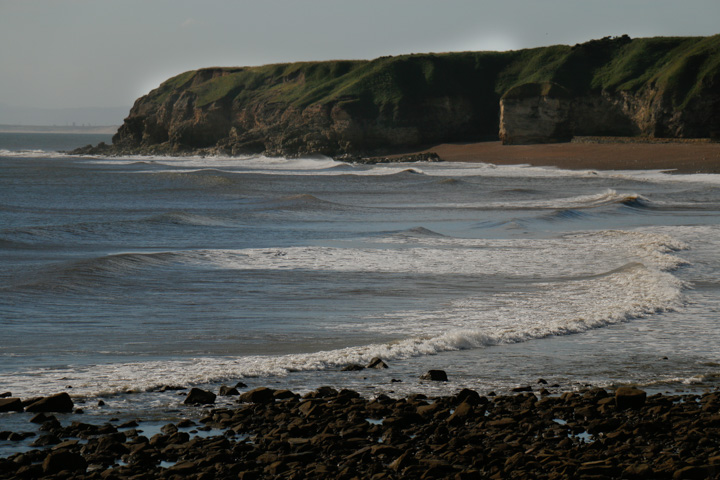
x=326, y=433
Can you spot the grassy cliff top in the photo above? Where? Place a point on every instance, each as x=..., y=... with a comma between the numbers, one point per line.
x=676, y=67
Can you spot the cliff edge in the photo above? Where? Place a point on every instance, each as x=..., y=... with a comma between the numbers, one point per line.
x=663, y=87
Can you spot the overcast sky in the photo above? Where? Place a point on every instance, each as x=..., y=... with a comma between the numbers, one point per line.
x=101, y=53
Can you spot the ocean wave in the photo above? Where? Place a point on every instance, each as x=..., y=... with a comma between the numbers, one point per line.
x=186, y=218
x=302, y=202
x=583, y=202
x=564, y=286
x=608, y=197
x=567, y=214
x=420, y=232
x=552, y=309
x=90, y=232
x=83, y=274
x=31, y=153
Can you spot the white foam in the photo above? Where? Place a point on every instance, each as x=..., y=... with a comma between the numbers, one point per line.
x=565, y=286
x=31, y=153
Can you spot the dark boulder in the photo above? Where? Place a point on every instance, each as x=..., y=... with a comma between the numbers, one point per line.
x=226, y=391
x=258, y=395
x=45, y=440
x=198, y=396
x=55, y=403
x=629, y=397
x=435, y=376
x=377, y=362
x=469, y=396
x=11, y=405
x=353, y=367
x=61, y=460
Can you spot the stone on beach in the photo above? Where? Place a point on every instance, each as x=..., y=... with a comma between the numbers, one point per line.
x=629, y=397
x=332, y=433
x=258, y=395
x=60, y=403
x=198, y=396
x=62, y=460
x=226, y=391
x=11, y=405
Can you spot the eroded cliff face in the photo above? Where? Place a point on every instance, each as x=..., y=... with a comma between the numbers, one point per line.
x=341, y=126
x=528, y=119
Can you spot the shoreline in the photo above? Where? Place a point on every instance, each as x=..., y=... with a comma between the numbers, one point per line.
x=329, y=433
x=680, y=157
x=687, y=158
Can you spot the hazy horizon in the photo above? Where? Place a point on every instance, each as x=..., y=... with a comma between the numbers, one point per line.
x=88, y=55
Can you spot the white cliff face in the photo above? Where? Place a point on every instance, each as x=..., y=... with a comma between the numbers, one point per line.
x=539, y=119
x=532, y=117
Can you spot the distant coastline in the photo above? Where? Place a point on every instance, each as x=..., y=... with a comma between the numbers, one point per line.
x=67, y=129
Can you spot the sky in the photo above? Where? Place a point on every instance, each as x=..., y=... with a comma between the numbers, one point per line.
x=80, y=54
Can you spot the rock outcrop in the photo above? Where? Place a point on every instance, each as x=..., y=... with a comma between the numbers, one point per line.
x=662, y=87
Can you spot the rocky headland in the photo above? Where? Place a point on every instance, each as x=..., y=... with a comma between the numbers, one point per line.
x=337, y=434
x=646, y=87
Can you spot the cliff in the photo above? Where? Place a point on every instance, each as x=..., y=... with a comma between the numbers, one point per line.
x=664, y=87
x=658, y=87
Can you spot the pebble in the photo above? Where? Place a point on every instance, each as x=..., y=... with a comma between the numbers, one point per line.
x=328, y=433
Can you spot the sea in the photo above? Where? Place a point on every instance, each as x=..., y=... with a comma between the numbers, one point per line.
x=123, y=275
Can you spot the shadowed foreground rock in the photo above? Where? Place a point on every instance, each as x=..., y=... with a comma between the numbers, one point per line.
x=337, y=434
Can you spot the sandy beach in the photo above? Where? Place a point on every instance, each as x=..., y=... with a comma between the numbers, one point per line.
x=678, y=157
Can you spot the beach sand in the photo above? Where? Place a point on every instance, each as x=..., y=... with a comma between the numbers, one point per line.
x=679, y=157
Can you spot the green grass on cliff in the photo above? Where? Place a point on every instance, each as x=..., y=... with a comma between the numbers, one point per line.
x=680, y=68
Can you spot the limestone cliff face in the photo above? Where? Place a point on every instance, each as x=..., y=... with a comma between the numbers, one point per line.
x=557, y=116
x=620, y=87
x=663, y=87
x=527, y=118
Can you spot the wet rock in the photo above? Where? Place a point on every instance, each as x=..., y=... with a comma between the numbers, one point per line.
x=522, y=389
x=327, y=434
x=58, y=461
x=284, y=394
x=198, y=396
x=470, y=396
x=240, y=385
x=226, y=391
x=258, y=395
x=377, y=362
x=42, y=418
x=353, y=367
x=692, y=472
x=171, y=388
x=638, y=470
x=462, y=414
x=435, y=376
x=629, y=397
x=5, y=395
x=54, y=403
x=11, y=405
x=45, y=440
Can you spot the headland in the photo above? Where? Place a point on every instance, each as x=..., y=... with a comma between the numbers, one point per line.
x=662, y=87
